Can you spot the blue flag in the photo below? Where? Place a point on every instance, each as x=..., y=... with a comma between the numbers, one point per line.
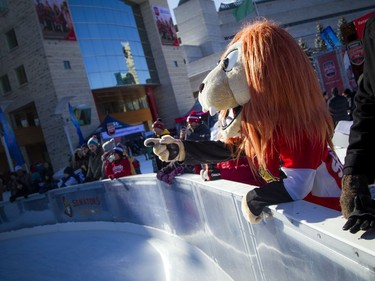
x=10, y=140
x=76, y=124
x=330, y=38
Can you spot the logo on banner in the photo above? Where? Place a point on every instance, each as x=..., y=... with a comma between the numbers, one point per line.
x=329, y=69
x=111, y=128
x=355, y=52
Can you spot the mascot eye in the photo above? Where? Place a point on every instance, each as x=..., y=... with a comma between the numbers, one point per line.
x=230, y=60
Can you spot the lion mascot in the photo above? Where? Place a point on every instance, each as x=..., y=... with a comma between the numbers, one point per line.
x=269, y=100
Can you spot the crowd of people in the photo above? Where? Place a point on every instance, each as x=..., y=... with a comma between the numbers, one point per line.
x=90, y=162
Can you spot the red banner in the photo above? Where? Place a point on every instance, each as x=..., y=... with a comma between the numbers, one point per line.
x=330, y=71
x=360, y=24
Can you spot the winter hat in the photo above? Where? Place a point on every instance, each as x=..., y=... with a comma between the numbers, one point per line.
x=109, y=145
x=158, y=124
x=118, y=150
x=69, y=170
x=193, y=117
x=93, y=140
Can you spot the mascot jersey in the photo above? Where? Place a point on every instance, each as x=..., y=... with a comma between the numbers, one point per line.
x=307, y=172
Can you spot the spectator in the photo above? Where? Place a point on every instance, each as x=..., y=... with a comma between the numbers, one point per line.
x=69, y=178
x=359, y=168
x=17, y=188
x=338, y=107
x=79, y=161
x=36, y=178
x=327, y=96
x=118, y=166
x=159, y=130
x=94, y=169
x=25, y=178
x=196, y=130
x=349, y=95
x=85, y=150
x=47, y=184
x=47, y=170
x=107, y=151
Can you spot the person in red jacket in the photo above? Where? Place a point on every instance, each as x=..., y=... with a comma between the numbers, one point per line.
x=118, y=166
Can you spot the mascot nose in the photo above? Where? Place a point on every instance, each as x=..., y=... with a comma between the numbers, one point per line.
x=201, y=87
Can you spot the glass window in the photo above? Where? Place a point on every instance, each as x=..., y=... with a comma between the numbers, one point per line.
x=3, y=6
x=21, y=75
x=67, y=64
x=104, y=26
x=83, y=115
x=5, y=85
x=11, y=39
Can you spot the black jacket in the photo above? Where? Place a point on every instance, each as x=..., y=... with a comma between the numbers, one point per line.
x=360, y=156
x=338, y=107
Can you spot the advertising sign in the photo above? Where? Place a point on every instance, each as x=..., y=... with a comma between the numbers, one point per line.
x=166, y=28
x=54, y=19
x=330, y=71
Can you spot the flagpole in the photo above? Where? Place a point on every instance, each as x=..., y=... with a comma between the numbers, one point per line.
x=255, y=7
x=68, y=137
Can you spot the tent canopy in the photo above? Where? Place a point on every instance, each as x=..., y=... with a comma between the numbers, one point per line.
x=112, y=128
x=198, y=111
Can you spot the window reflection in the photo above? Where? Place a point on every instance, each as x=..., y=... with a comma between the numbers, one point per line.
x=102, y=28
x=123, y=105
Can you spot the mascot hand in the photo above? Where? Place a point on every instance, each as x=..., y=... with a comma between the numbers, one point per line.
x=250, y=217
x=352, y=186
x=167, y=148
x=150, y=142
x=363, y=215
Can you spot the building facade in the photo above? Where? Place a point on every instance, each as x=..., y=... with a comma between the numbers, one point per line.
x=103, y=57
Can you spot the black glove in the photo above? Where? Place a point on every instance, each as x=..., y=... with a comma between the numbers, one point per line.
x=363, y=215
x=168, y=173
x=352, y=186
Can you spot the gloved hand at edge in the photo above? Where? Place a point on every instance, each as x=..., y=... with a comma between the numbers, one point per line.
x=362, y=217
x=250, y=217
x=352, y=186
x=356, y=203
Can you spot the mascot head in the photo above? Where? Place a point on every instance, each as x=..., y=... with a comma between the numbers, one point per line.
x=263, y=85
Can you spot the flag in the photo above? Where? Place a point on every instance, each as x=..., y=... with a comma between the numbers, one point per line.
x=243, y=10
x=76, y=124
x=330, y=38
x=10, y=140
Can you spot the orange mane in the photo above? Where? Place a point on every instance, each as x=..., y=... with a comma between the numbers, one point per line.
x=285, y=94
